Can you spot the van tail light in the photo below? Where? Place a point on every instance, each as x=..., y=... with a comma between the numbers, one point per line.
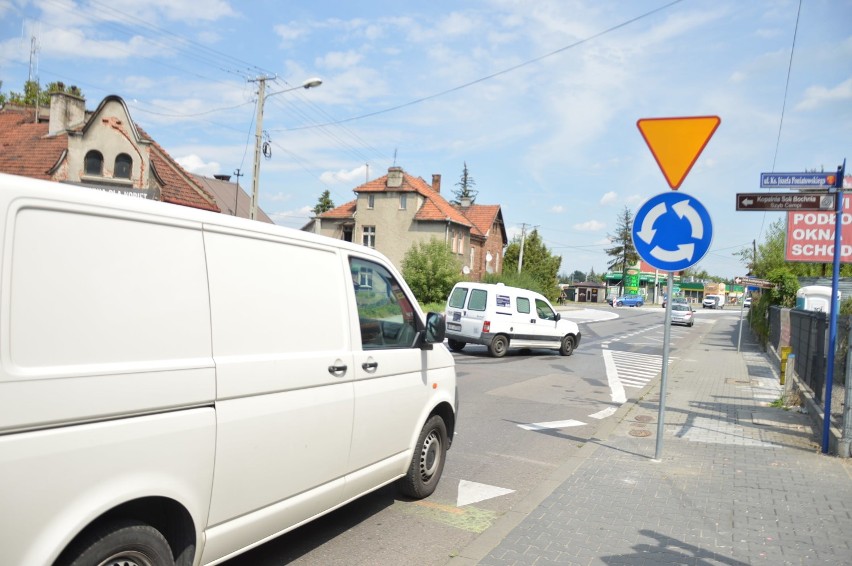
x=486, y=326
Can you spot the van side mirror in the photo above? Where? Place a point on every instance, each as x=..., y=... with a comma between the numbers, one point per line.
x=436, y=327
x=558, y=317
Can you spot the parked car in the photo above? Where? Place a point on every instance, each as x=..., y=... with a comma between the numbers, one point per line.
x=676, y=301
x=630, y=301
x=682, y=314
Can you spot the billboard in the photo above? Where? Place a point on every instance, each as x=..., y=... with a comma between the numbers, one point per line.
x=810, y=234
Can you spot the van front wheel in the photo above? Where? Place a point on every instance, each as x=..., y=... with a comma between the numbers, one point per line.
x=567, y=347
x=455, y=345
x=427, y=463
x=499, y=346
x=129, y=542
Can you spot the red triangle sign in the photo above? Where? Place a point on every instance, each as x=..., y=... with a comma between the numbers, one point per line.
x=676, y=143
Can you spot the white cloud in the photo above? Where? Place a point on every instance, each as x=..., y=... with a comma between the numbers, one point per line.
x=609, y=198
x=817, y=96
x=557, y=208
x=351, y=177
x=339, y=60
x=194, y=164
x=590, y=226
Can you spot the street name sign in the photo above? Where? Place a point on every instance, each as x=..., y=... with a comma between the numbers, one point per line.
x=797, y=180
x=676, y=143
x=672, y=231
x=753, y=282
x=786, y=201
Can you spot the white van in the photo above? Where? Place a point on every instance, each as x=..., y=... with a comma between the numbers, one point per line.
x=713, y=302
x=503, y=317
x=178, y=386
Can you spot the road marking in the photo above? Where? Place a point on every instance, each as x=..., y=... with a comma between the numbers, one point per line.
x=616, y=389
x=473, y=492
x=551, y=425
x=604, y=414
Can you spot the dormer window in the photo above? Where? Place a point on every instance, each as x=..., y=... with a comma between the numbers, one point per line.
x=94, y=164
x=123, y=166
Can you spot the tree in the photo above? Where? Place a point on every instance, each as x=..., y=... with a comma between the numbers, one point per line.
x=431, y=269
x=33, y=94
x=324, y=204
x=465, y=187
x=538, y=263
x=623, y=253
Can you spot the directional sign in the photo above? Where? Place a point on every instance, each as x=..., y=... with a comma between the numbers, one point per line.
x=752, y=282
x=797, y=180
x=676, y=143
x=672, y=231
x=786, y=201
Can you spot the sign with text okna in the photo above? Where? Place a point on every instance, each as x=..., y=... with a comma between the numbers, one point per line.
x=810, y=235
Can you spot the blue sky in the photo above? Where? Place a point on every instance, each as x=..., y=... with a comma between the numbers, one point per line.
x=539, y=98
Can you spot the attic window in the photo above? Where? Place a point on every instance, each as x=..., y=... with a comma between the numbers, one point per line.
x=94, y=164
x=123, y=166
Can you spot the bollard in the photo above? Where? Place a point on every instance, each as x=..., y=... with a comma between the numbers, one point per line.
x=785, y=356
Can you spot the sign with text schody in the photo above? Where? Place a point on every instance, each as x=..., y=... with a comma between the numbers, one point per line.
x=810, y=235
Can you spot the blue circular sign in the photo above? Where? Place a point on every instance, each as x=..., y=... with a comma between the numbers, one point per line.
x=672, y=231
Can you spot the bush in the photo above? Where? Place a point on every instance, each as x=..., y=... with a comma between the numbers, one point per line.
x=431, y=269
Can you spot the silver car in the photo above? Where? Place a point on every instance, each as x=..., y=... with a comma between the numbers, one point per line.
x=682, y=314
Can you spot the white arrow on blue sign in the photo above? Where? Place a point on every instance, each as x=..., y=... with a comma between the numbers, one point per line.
x=672, y=231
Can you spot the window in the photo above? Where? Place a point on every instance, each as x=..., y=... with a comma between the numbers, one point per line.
x=371, y=201
x=523, y=305
x=472, y=257
x=385, y=313
x=457, y=298
x=544, y=310
x=368, y=238
x=478, y=300
x=403, y=201
x=123, y=166
x=94, y=163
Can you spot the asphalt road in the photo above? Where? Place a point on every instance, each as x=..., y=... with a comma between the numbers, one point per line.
x=520, y=417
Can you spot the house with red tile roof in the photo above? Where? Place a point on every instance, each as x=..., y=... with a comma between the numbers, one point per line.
x=395, y=211
x=101, y=149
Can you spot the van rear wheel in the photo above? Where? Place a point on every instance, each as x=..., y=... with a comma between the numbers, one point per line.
x=427, y=463
x=456, y=345
x=567, y=347
x=130, y=543
x=499, y=346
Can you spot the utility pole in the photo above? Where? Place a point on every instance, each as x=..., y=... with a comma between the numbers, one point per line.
x=258, y=134
x=237, y=174
x=523, y=238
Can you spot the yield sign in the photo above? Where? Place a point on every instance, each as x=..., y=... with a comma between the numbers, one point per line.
x=677, y=142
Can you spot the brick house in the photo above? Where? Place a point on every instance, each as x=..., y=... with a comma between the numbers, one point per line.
x=102, y=149
x=397, y=210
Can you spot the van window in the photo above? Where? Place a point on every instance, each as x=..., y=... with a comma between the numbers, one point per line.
x=478, y=300
x=386, y=315
x=544, y=310
x=523, y=305
x=457, y=298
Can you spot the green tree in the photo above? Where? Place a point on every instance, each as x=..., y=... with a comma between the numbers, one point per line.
x=431, y=269
x=2, y=96
x=593, y=277
x=33, y=93
x=465, y=187
x=623, y=252
x=324, y=204
x=538, y=263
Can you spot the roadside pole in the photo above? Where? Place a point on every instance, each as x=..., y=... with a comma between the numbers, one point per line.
x=742, y=312
x=664, y=373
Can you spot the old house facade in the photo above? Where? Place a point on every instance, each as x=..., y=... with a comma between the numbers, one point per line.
x=398, y=210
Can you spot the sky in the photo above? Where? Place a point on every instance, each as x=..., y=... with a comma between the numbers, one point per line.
x=539, y=99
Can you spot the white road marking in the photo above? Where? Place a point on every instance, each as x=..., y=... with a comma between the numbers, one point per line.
x=605, y=413
x=616, y=389
x=472, y=492
x=551, y=425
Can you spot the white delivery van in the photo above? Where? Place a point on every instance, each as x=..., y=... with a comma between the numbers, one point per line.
x=178, y=386
x=503, y=317
x=713, y=302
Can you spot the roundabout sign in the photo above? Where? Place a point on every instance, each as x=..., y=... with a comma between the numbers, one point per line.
x=672, y=231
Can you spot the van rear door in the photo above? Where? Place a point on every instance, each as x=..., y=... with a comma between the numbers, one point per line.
x=466, y=310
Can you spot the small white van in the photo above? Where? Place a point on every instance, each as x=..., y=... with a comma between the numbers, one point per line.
x=178, y=386
x=503, y=317
x=713, y=302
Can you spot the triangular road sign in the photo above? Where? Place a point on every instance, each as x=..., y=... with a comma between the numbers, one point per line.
x=676, y=143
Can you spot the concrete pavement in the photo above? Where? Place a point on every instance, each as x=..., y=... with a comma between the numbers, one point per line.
x=738, y=481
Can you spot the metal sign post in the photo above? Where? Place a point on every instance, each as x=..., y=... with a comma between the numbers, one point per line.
x=664, y=374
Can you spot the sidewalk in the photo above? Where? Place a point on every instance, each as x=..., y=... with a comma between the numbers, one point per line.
x=739, y=482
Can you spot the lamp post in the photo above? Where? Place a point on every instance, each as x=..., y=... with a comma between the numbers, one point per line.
x=261, y=99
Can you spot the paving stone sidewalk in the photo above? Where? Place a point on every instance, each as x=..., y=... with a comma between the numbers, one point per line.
x=738, y=482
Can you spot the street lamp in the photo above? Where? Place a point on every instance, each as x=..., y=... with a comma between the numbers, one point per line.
x=261, y=99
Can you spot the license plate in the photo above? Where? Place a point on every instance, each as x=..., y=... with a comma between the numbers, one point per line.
x=454, y=326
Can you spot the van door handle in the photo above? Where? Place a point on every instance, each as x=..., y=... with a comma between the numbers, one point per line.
x=337, y=371
x=532, y=320
x=370, y=367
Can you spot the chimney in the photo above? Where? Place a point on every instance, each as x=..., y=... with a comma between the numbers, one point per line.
x=436, y=182
x=66, y=111
x=394, y=177
x=465, y=202
x=222, y=177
